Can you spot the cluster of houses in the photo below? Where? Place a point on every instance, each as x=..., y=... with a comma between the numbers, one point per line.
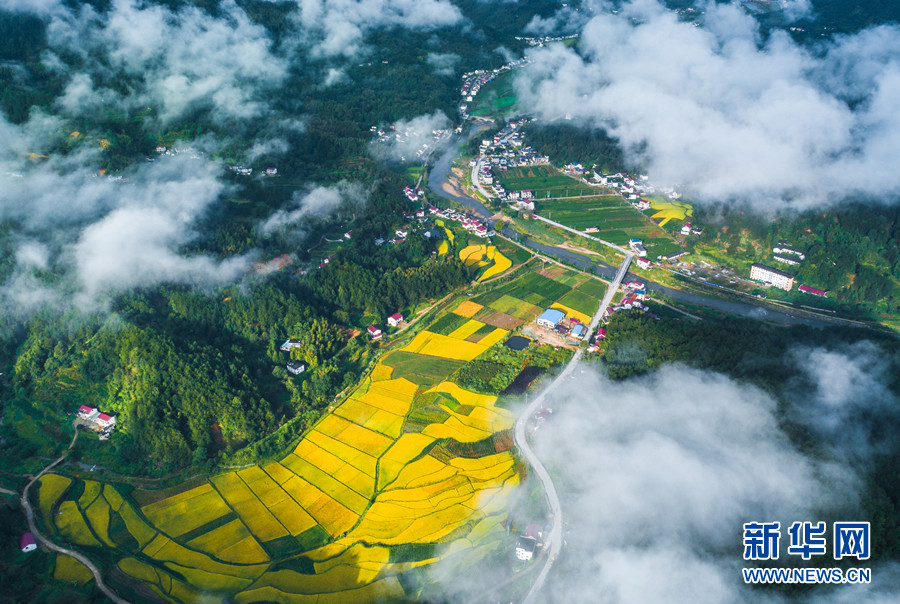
x=504, y=150
x=394, y=321
x=471, y=223
x=245, y=171
x=635, y=296
x=295, y=367
x=557, y=321
x=688, y=229
x=93, y=419
x=637, y=246
x=474, y=81
x=413, y=193
x=545, y=40
x=787, y=254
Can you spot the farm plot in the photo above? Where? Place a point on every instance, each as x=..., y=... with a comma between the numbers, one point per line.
x=467, y=309
x=535, y=289
x=187, y=511
x=487, y=257
x=580, y=301
x=422, y=370
x=541, y=181
x=50, y=489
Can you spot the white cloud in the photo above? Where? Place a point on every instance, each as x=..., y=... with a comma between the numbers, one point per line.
x=726, y=115
x=339, y=26
x=443, y=63
x=180, y=60
x=320, y=200
x=410, y=136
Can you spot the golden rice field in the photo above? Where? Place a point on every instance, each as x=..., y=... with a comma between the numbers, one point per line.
x=69, y=570
x=468, y=309
x=361, y=481
x=571, y=312
x=667, y=210
x=485, y=255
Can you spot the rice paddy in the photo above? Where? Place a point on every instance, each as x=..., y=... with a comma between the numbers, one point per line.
x=375, y=473
x=487, y=256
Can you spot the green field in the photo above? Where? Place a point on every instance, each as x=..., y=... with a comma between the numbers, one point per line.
x=423, y=370
x=543, y=181
x=497, y=96
x=535, y=289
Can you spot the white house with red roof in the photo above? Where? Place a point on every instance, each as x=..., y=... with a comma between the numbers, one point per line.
x=374, y=332
x=107, y=422
x=395, y=319
x=88, y=413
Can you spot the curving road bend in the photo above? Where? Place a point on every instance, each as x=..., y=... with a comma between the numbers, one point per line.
x=32, y=526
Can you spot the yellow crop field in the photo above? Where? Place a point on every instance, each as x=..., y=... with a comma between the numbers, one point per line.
x=667, y=210
x=354, y=494
x=453, y=428
x=443, y=247
x=355, y=410
x=501, y=265
x=334, y=517
x=477, y=254
x=400, y=388
x=278, y=472
x=219, y=542
x=160, y=581
x=438, y=345
x=71, y=524
x=466, y=329
x=98, y=517
x=571, y=312
x=70, y=570
x=258, y=519
x=381, y=372
x=52, y=486
x=363, y=461
x=92, y=490
x=139, y=529
x=468, y=309
x=184, y=512
x=358, y=437
x=113, y=497
x=407, y=447
x=493, y=337
x=266, y=489
x=210, y=581
x=170, y=551
x=386, y=400
x=294, y=518
x=464, y=396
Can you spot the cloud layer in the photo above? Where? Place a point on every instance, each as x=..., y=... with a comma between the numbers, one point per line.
x=657, y=476
x=726, y=114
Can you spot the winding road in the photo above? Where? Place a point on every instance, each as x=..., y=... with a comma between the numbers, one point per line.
x=32, y=526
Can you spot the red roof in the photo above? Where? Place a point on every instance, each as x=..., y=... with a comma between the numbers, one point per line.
x=104, y=417
x=811, y=290
x=396, y=316
x=26, y=540
x=85, y=409
x=373, y=329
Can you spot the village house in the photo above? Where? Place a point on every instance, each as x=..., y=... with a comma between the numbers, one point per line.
x=395, y=319
x=296, y=367
x=291, y=343
x=813, y=291
x=374, y=332
x=643, y=263
x=27, y=543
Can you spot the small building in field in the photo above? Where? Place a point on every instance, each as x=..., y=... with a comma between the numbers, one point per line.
x=374, y=332
x=579, y=331
x=773, y=276
x=643, y=263
x=291, y=343
x=395, y=319
x=551, y=318
x=27, y=543
x=296, y=367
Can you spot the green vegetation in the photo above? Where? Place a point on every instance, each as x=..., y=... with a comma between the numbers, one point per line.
x=543, y=181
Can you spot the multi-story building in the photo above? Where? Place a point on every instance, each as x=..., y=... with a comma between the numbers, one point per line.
x=773, y=276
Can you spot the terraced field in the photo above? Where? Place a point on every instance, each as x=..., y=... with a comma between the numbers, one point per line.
x=408, y=470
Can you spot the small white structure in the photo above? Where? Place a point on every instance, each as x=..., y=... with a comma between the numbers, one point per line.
x=88, y=414
x=27, y=543
x=395, y=319
x=374, y=332
x=296, y=367
x=525, y=547
x=291, y=343
x=106, y=422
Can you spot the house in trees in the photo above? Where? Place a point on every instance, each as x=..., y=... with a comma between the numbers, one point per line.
x=395, y=319
x=291, y=343
x=296, y=367
x=374, y=332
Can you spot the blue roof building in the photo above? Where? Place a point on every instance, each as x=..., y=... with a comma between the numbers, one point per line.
x=579, y=331
x=551, y=318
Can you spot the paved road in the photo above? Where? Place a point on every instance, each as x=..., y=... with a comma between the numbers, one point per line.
x=32, y=526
